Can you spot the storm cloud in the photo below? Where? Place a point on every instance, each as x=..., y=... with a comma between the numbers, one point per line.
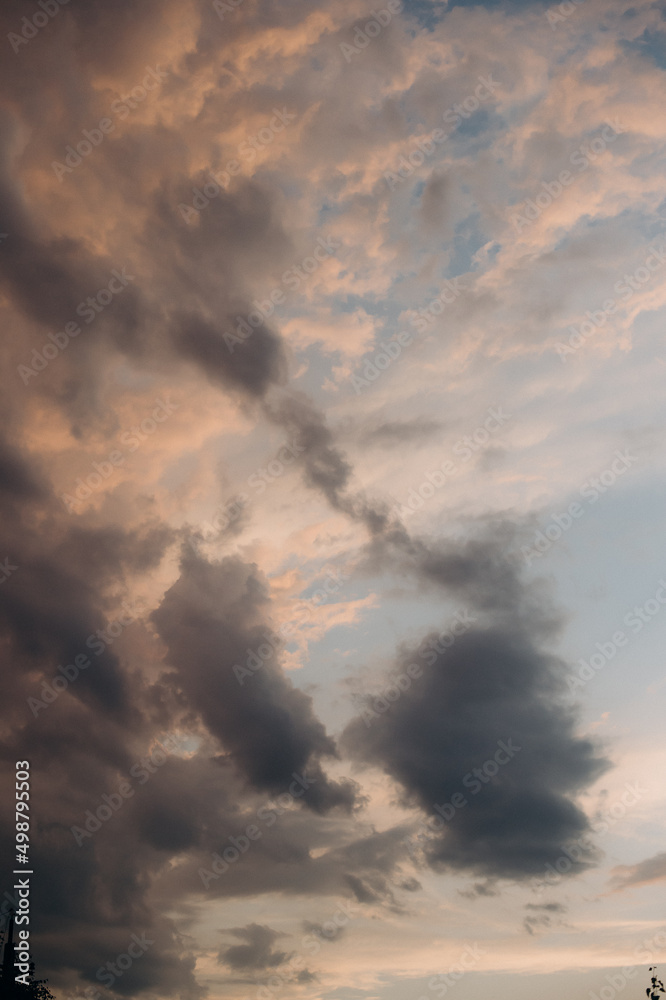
x=214, y=622
x=491, y=689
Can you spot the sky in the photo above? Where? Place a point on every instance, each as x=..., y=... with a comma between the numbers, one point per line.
x=331, y=472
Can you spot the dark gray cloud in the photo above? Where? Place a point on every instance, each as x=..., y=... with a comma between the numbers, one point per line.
x=257, y=952
x=481, y=569
x=233, y=246
x=58, y=597
x=201, y=281
x=67, y=274
x=480, y=889
x=300, y=853
x=392, y=434
x=543, y=916
x=331, y=933
x=202, y=277
x=500, y=682
x=325, y=468
x=79, y=739
x=491, y=687
x=92, y=897
x=254, y=365
x=57, y=607
x=436, y=208
x=214, y=621
x=18, y=481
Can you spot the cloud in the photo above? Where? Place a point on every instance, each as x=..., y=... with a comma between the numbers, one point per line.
x=59, y=599
x=481, y=569
x=480, y=889
x=18, y=481
x=325, y=467
x=393, y=434
x=436, y=210
x=645, y=872
x=195, y=281
x=649, y=45
x=543, y=916
x=214, y=621
x=330, y=934
x=495, y=682
x=253, y=366
x=257, y=953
